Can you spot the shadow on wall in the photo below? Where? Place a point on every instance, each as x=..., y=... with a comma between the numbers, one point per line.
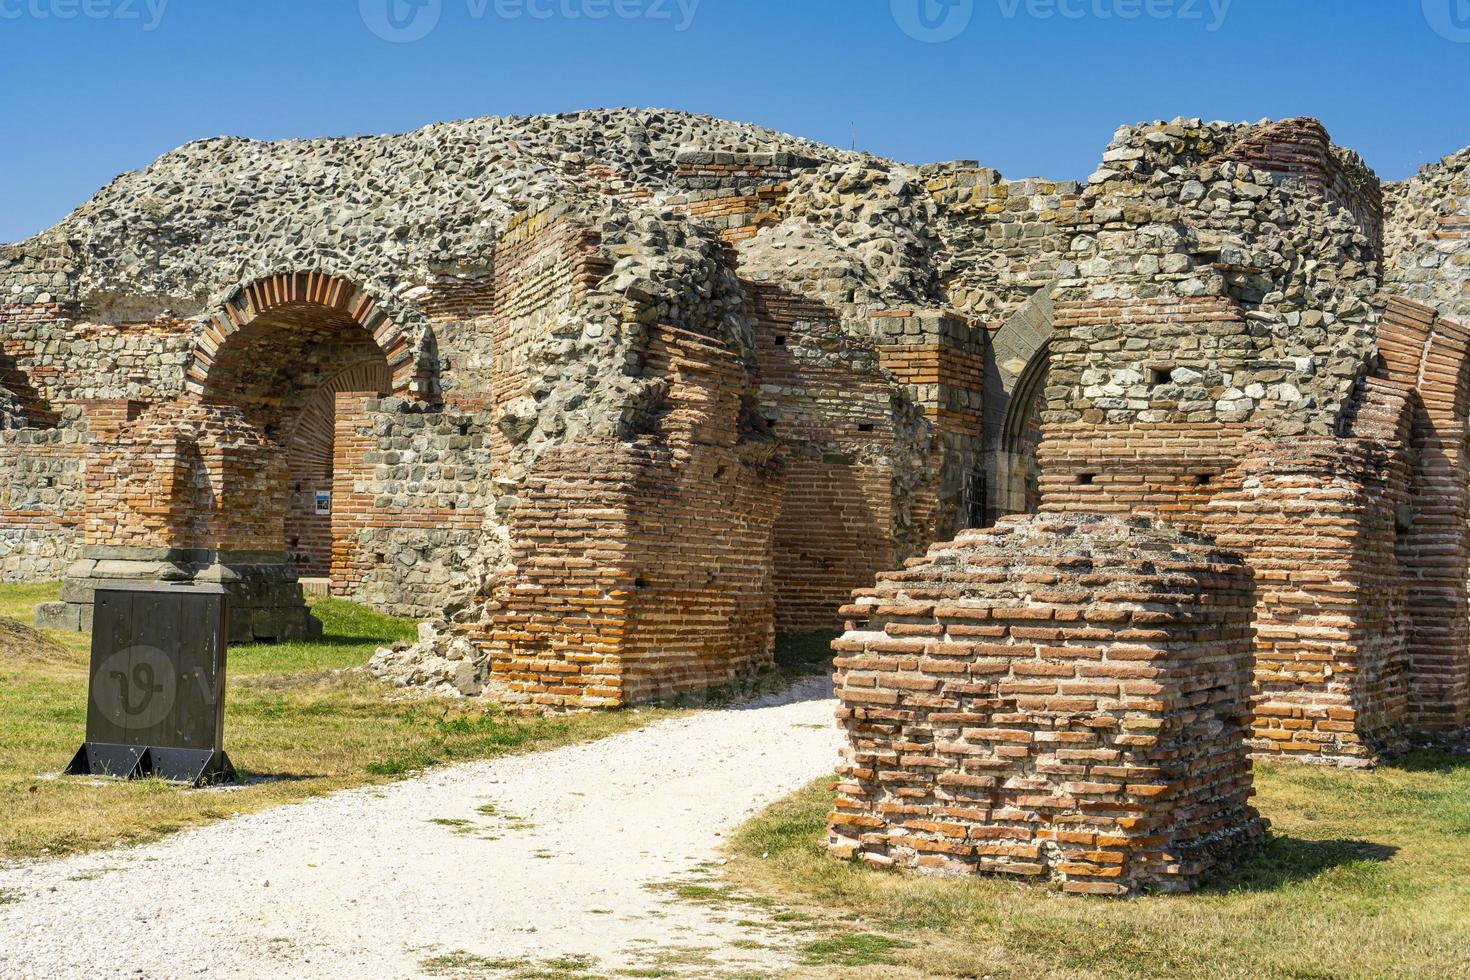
x=1286, y=860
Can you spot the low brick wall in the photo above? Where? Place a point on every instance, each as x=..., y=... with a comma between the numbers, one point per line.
x=1060, y=697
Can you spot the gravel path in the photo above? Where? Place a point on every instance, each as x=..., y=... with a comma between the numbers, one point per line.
x=517, y=860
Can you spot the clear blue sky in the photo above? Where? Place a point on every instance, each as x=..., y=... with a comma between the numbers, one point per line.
x=90, y=91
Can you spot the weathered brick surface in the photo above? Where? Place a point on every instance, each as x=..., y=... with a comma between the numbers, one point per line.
x=614, y=392
x=642, y=570
x=824, y=396
x=1061, y=698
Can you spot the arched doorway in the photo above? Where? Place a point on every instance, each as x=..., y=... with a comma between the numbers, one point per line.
x=1018, y=363
x=312, y=449
x=1020, y=486
x=302, y=357
x=201, y=488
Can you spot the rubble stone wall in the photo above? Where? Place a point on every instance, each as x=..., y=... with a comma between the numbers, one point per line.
x=530, y=357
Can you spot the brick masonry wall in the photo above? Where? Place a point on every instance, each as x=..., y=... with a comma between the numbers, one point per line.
x=1357, y=542
x=1062, y=698
x=1315, y=519
x=1166, y=468
x=1431, y=354
x=823, y=395
x=187, y=475
x=642, y=569
x=1316, y=522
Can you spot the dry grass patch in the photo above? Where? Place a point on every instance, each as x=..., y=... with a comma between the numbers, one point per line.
x=295, y=727
x=1366, y=875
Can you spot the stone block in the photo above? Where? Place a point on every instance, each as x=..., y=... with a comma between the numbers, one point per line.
x=1057, y=697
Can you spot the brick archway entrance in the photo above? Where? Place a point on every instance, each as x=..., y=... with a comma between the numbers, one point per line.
x=230, y=473
x=301, y=355
x=312, y=301
x=320, y=452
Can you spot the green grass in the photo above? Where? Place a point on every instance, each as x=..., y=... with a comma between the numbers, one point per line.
x=469, y=966
x=353, y=634
x=863, y=949
x=294, y=726
x=798, y=656
x=1367, y=875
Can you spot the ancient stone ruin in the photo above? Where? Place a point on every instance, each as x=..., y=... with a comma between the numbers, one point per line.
x=1058, y=696
x=611, y=398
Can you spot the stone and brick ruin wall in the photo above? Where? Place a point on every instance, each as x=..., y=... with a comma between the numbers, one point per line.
x=635, y=390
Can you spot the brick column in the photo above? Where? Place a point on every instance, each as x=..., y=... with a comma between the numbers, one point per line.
x=1056, y=697
x=352, y=508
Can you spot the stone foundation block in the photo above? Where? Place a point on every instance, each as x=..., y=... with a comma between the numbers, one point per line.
x=1059, y=698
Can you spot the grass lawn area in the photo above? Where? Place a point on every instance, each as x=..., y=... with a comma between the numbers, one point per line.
x=1367, y=874
x=294, y=728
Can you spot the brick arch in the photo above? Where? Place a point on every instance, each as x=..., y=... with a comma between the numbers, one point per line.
x=1430, y=355
x=315, y=418
x=286, y=295
x=1025, y=402
x=311, y=451
x=1016, y=366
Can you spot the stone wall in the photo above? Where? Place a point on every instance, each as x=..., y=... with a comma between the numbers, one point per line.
x=529, y=357
x=642, y=569
x=408, y=510
x=1056, y=698
x=41, y=502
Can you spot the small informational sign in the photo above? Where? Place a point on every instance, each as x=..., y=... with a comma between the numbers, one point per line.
x=157, y=684
x=324, y=502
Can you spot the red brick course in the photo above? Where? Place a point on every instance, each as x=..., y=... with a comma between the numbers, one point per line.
x=1056, y=697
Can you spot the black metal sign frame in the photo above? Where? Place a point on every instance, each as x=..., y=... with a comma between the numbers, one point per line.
x=157, y=686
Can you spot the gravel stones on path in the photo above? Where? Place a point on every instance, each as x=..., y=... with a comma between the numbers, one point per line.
x=520, y=859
